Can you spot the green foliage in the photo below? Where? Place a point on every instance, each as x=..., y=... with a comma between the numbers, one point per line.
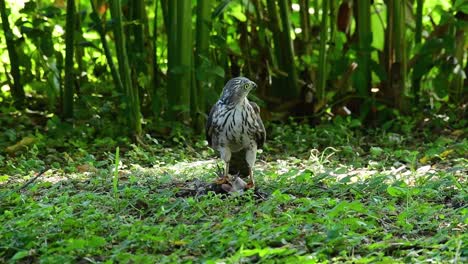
x=287, y=51
x=369, y=186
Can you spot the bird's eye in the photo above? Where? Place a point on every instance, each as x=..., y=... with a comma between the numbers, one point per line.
x=246, y=86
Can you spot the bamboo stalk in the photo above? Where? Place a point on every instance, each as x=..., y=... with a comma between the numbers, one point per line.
x=363, y=77
x=333, y=27
x=202, y=50
x=288, y=48
x=131, y=94
x=221, y=57
x=306, y=43
x=69, y=62
x=137, y=53
x=416, y=82
x=275, y=28
x=316, y=10
x=102, y=34
x=322, y=75
x=419, y=16
x=155, y=47
x=165, y=12
x=286, y=76
x=180, y=59
x=138, y=37
x=172, y=58
x=398, y=70
x=79, y=49
x=184, y=31
x=456, y=85
x=266, y=53
x=305, y=22
x=17, y=89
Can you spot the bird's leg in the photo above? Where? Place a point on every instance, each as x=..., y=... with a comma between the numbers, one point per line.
x=250, y=156
x=226, y=169
x=224, y=178
x=251, y=184
x=226, y=156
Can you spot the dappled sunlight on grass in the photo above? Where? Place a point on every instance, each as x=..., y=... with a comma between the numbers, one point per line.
x=180, y=170
x=307, y=215
x=347, y=203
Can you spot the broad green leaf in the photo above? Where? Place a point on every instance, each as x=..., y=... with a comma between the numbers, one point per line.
x=461, y=5
x=20, y=255
x=396, y=191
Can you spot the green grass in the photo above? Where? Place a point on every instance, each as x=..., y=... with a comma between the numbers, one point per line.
x=331, y=194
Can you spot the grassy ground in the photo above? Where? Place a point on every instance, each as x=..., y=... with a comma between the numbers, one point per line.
x=328, y=194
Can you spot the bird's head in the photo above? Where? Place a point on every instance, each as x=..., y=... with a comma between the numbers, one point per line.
x=236, y=90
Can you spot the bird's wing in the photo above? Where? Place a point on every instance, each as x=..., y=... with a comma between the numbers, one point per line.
x=260, y=134
x=209, y=124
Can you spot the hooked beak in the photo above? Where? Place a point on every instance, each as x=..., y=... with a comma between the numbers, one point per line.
x=253, y=85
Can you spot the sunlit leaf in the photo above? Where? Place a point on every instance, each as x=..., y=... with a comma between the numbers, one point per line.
x=238, y=13
x=396, y=191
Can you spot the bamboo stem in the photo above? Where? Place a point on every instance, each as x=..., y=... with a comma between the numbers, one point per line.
x=180, y=59
x=202, y=44
x=398, y=68
x=102, y=34
x=155, y=102
x=288, y=49
x=17, y=89
x=131, y=94
x=363, y=76
x=323, y=54
x=69, y=62
x=416, y=82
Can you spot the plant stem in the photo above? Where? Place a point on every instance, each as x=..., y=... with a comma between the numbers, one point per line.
x=115, y=178
x=17, y=89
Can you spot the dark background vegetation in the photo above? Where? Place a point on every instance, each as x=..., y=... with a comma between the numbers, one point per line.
x=103, y=105
x=144, y=65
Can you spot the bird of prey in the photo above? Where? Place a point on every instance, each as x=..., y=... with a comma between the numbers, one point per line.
x=235, y=129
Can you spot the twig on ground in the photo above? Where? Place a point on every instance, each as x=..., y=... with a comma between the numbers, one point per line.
x=33, y=179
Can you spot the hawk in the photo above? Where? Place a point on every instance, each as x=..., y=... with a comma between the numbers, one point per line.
x=235, y=129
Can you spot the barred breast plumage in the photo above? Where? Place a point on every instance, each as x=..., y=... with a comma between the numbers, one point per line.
x=235, y=126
